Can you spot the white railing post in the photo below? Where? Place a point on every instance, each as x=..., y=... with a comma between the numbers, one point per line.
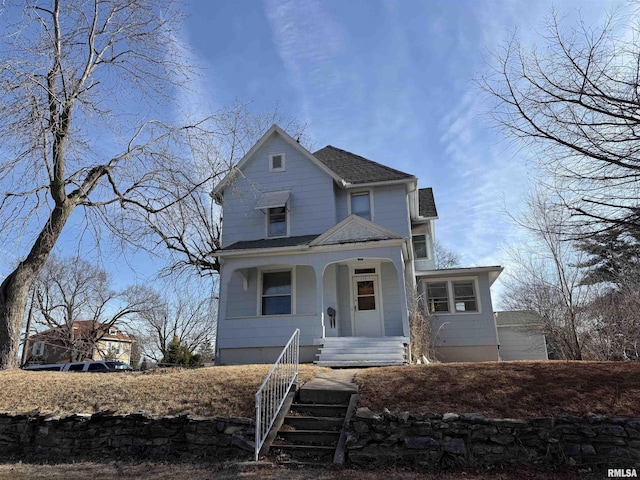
x=274, y=389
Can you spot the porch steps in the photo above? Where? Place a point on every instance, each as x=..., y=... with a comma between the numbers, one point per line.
x=362, y=352
x=313, y=430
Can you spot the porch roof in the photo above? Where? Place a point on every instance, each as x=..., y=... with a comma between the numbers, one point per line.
x=272, y=242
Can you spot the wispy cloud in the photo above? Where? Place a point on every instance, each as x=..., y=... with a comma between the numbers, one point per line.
x=308, y=40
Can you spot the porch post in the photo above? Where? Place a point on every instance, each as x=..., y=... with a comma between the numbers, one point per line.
x=402, y=285
x=224, y=277
x=319, y=270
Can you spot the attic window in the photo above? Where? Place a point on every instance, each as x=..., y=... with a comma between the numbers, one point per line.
x=276, y=162
x=113, y=331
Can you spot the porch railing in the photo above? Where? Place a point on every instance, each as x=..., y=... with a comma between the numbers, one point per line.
x=275, y=387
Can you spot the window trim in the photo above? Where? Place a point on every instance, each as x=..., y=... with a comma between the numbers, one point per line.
x=37, y=350
x=369, y=191
x=426, y=246
x=261, y=272
x=451, y=294
x=283, y=168
x=286, y=219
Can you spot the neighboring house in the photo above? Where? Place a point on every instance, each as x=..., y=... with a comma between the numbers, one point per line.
x=62, y=344
x=521, y=336
x=340, y=247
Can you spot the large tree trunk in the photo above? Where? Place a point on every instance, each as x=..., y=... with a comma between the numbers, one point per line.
x=14, y=290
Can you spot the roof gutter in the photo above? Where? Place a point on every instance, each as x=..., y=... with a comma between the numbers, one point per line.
x=349, y=185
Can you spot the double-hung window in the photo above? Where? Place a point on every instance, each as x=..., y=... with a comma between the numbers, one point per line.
x=276, y=293
x=452, y=296
x=420, y=246
x=361, y=204
x=438, y=297
x=464, y=296
x=277, y=222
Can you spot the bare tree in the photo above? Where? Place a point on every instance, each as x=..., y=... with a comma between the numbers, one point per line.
x=576, y=103
x=73, y=290
x=546, y=278
x=444, y=257
x=80, y=83
x=184, y=312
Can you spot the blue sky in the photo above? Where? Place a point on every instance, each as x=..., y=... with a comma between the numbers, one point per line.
x=392, y=81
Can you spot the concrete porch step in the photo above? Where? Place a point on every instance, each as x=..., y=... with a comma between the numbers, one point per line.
x=359, y=363
x=357, y=353
x=362, y=351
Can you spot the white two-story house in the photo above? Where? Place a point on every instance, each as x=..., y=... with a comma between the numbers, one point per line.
x=338, y=246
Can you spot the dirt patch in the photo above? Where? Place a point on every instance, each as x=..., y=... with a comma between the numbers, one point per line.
x=506, y=389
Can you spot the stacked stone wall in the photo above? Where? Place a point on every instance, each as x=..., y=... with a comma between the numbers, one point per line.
x=440, y=441
x=100, y=436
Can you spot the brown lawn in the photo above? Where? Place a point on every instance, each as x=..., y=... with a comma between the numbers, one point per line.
x=208, y=392
x=174, y=471
x=506, y=389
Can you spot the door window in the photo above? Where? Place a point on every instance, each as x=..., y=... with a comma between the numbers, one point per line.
x=366, y=295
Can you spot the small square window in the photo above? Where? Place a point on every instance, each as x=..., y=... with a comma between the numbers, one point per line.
x=276, y=162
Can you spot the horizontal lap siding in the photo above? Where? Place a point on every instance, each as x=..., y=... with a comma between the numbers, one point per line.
x=311, y=203
x=391, y=302
x=468, y=328
x=390, y=209
x=516, y=343
x=268, y=331
x=241, y=303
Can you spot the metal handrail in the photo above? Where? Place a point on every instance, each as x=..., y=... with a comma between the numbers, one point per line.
x=274, y=389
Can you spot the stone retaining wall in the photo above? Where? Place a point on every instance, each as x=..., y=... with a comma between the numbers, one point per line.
x=102, y=436
x=449, y=440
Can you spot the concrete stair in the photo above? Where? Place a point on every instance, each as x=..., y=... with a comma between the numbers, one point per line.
x=312, y=432
x=362, y=351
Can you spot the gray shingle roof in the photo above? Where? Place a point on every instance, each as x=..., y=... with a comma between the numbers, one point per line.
x=272, y=242
x=356, y=169
x=426, y=202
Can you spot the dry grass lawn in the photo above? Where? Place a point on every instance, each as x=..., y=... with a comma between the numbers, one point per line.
x=167, y=471
x=506, y=389
x=207, y=392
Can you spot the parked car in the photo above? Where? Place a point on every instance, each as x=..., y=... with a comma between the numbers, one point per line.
x=92, y=366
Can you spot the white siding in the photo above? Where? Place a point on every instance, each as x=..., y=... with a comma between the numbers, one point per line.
x=520, y=343
x=311, y=203
x=467, y=329
x=305, y=290
x=391, y=301
x=330, y=299
x=241, y=303
x=390, y=209
x=344, y=303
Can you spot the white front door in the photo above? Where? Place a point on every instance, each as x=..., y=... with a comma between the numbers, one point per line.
x=367, y=316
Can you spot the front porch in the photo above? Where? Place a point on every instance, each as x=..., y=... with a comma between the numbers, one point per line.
x=349, y=305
